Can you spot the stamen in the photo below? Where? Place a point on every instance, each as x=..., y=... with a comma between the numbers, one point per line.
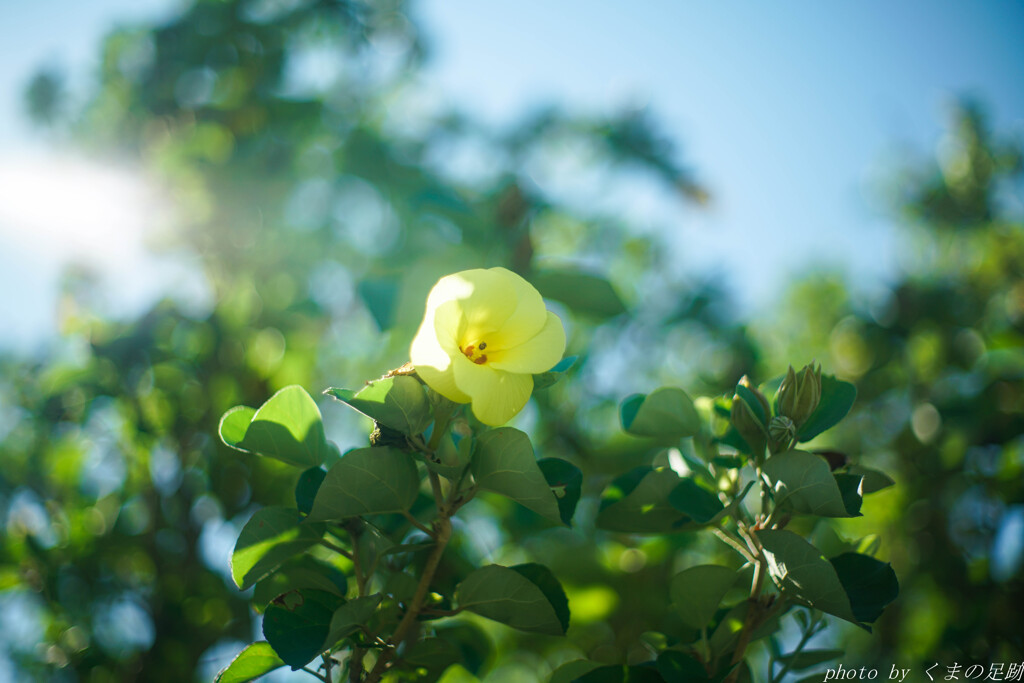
x=481, y=359
x=468, y=351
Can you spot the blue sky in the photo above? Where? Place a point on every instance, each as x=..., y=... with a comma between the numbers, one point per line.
x=786, y=111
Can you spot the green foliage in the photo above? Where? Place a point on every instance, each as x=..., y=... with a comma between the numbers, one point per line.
x=351, y=616
x=667, y=412
x=803, y=574
x=301, y=298
x=638, y=502
x=297, y=624
x=303, y=571
x=399, y=403
x=582, y=292
x=804, y=484
x=251, y=663
x=287, y=427
x=837, y=398
x=273, y=535
x=367, y=481
x=870, y=584
x=697, y=591
x=307, y=487
x=504, y=463
x=526, y=597
x=695, y=501
x=566, y=480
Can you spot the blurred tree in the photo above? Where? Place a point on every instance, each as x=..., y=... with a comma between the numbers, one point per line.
x=939, y=363
x=323, y=196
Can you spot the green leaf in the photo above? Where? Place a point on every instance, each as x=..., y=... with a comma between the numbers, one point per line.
x=804, y=484
x=300, y=572
x=542, y=577
x=732, y=462
x=679, y=666
x=755, y=405
x=504, y=463
x=234, y=424
x=695, y=501
x=638, y=502
x=251, y=663
x=307, y=487
x=401, y=586
x=803, y=574
x=874, y=480
x=582, y=292
x=798, y=661
x=697, y=591
x=474, y=645
x=850, y=489
x=433, y=654
x=869, y=583
x=727, y=634
x=296, y=624
x=571, y=671
x=837, y=398
x=567, y=481
x=367, y=481
x=271, y=536
x=512, y=596
x=664, y=413
x=348, y=618
x=452, y=456
x=380, y=295
x=398, y=402
x=287, y=427
x=622, y=674
x=544, y=380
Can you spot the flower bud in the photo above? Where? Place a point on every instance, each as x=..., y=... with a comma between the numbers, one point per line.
x=781, y=432
x=750, y=413
x=799, y=393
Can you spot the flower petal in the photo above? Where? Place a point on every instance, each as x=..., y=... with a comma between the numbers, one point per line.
x=537, y=354
x=497, y=396
x=443, y=382
x=528, y=317
x=428, y=354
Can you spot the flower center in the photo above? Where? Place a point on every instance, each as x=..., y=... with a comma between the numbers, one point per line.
x=474, y=352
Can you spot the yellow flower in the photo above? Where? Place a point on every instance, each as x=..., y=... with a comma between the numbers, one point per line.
x=484, y=334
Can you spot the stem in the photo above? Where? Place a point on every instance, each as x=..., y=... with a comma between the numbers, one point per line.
x=442, y=612
x=733, y=543
x=467, y=496
x=442, y=534
x=755, y=606
x=807, y=635
x=454, y=493
x=355, y=665
x=314, y=673
x=328, y=662
x=336, y=548
x=764, y=493
x=402, y=632
x=442, y=417
x=418, y=524
x=355, y=660
x=435, y=486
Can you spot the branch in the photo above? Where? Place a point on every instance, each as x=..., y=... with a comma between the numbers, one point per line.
x=419, y=525
x=734, y=544
x=336, y=548
x=812, y=629
x=314, y=673
x=402, y=632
